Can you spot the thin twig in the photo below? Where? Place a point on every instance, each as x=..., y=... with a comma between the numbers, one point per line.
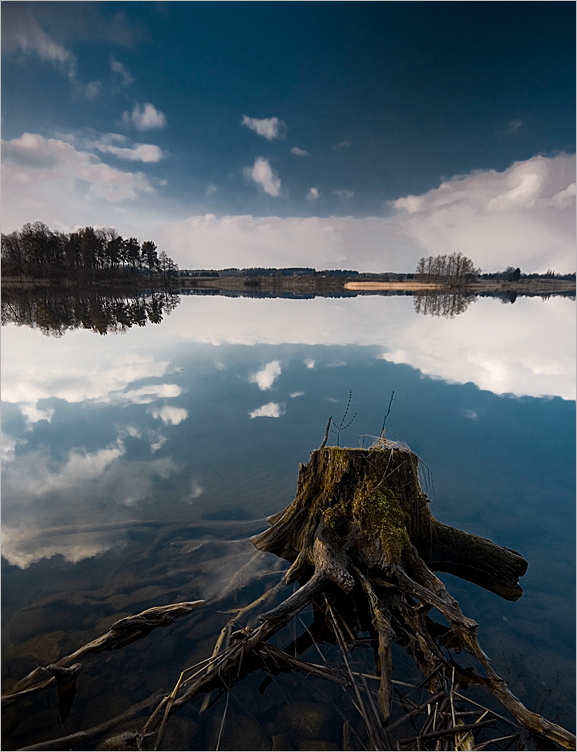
x=382, y=434
x=222, y=722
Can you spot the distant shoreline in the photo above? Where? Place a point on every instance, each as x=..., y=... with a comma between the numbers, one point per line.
x=520, y=286
x=306, y=284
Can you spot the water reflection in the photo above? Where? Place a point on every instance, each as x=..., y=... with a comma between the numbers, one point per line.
x=446, y=304
x=56, y=310
x=126, y=457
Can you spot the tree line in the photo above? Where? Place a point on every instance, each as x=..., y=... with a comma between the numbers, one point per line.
x=38, y=251
x=453, y=269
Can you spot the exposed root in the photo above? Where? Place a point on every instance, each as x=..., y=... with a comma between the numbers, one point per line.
x=362, y=545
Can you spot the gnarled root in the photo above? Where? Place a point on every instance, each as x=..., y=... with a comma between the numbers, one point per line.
x=360, y=532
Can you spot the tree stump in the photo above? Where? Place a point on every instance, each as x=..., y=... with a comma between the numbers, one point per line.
x=360, y=525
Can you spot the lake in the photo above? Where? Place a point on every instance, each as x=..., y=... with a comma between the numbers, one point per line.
x=135, y=465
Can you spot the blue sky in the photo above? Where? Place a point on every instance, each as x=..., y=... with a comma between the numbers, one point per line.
x=349, y=135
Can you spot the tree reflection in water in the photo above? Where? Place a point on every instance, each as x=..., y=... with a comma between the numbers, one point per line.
x=55, y=311
x=445, y=303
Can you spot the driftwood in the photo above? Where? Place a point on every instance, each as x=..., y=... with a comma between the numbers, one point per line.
x=121, y=633
x=363, y=544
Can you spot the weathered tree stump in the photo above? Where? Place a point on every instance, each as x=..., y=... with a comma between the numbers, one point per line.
x=360, y=525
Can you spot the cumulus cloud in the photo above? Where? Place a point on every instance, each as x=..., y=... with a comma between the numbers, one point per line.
x=526, y=350
x=266, y=377
x=270, y=410
x=313, y=194
x=498, y=219
x=20, y=548
x=264, y=175
x=144, y=117
x=169, y=414
x=299, y=152
x=120, y=147
x=292, y=395
x=523, y=349
x=269, y=128
x=342, y=145
x=79, y=468
x=523, y=216
x=31, y=160
x=27, y=379
x=33, y=478
x=342, y=193
x=121, y=70
x=310, y=362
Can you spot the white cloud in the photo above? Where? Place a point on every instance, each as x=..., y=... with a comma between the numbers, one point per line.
x=296, y=394
x=27, y=35
x=527, y=348
x=471, y=414
x=21, y=549
x=299, y=152
x=342, y=145
x=523, y=216
x=22, y=31
x=27, y=380
x=144, y=117
x=269, y=128
x=35, y=168
x=120, y=147
x=169, y=414
x=452, y=217
x=196, y=490
x=263, y=174
x=313, y=194
x=310, y=363
x=8, y=446
x=123, y=72
x=270, y=410
x=266, y=377
x=342, y=193
x=33, y=414
x=80, y=468
x=158, y=443
x=267, y=241
x=514, y=125
x=145, y=395
x=28, y=533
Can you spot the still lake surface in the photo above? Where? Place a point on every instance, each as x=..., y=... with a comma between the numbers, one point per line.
x=134, y=464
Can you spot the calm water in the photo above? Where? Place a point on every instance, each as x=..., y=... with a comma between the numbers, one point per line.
x=134, y=464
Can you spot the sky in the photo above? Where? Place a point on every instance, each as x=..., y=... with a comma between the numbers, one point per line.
x=353, y=135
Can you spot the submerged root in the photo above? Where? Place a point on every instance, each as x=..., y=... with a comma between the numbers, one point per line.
x=360, y=539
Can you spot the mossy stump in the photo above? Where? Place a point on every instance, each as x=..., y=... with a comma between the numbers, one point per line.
x=360, y=526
